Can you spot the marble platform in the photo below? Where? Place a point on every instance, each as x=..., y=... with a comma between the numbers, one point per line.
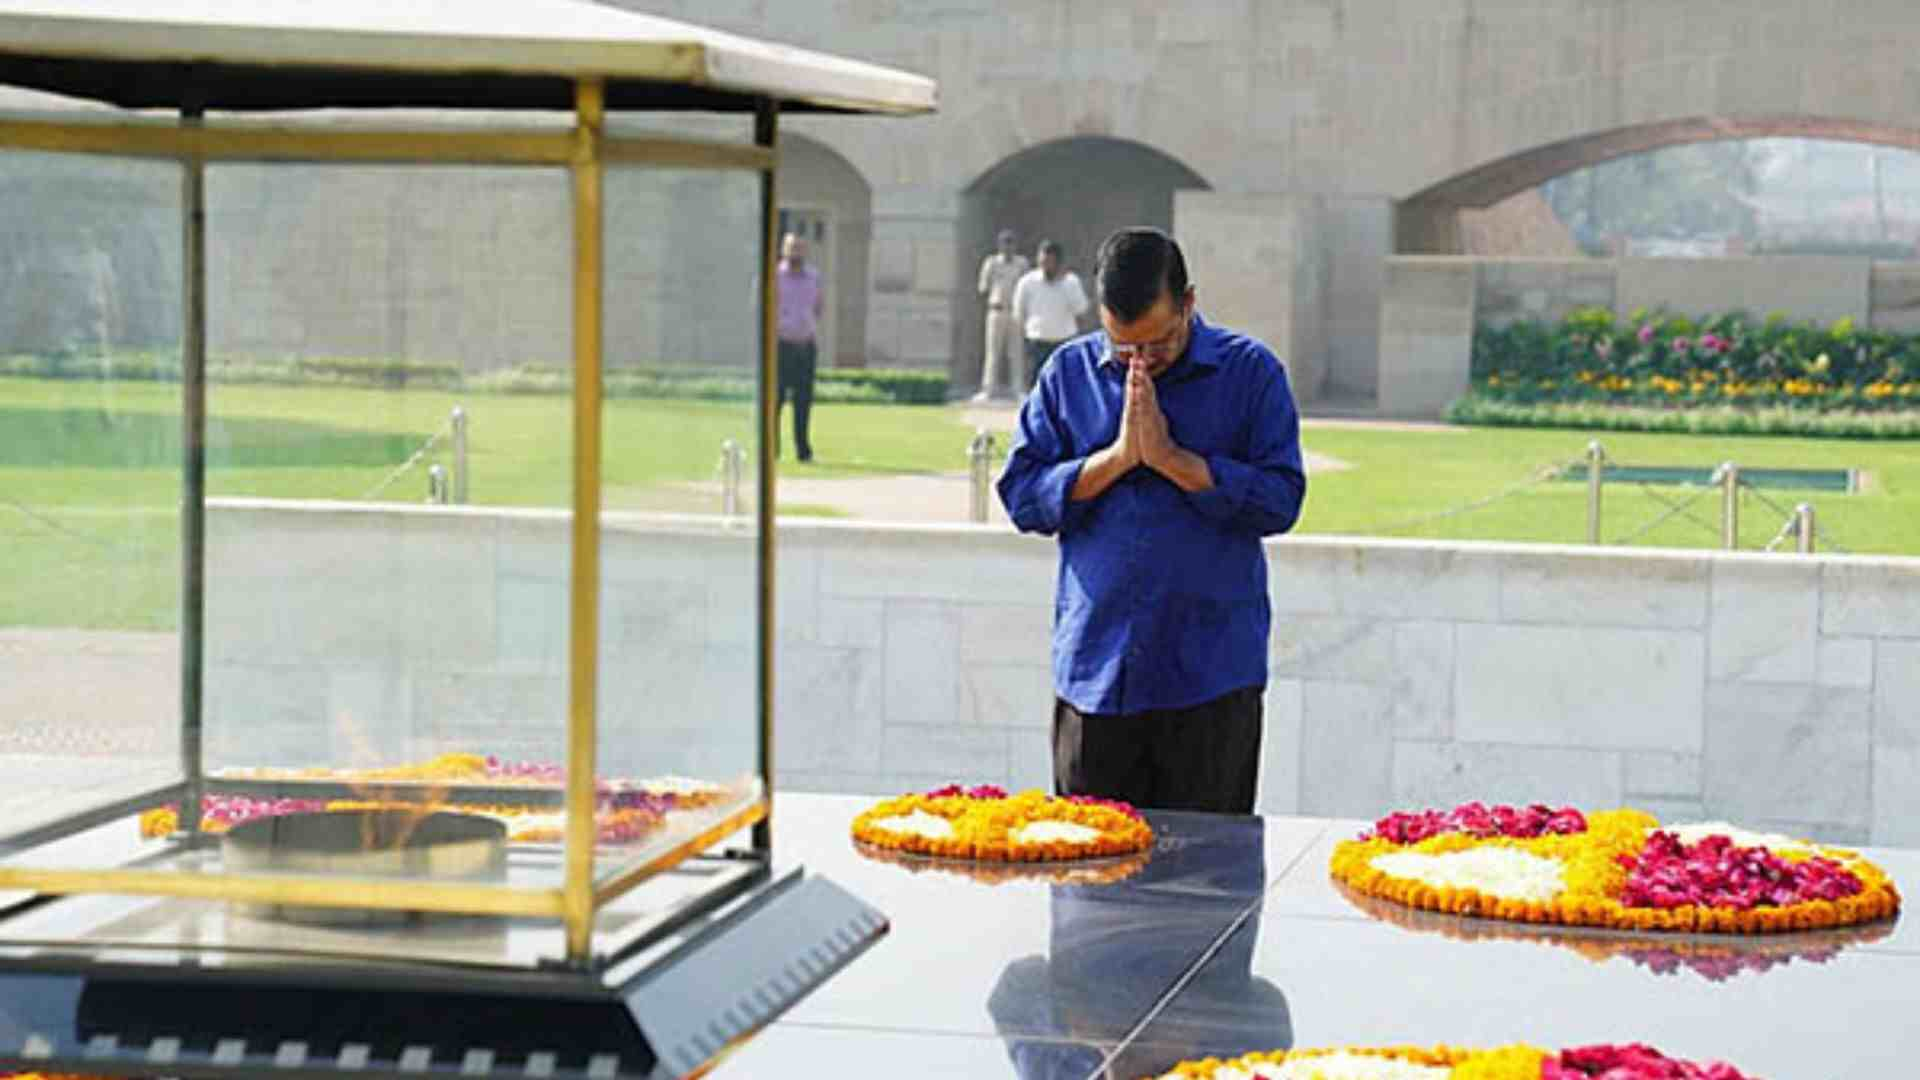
x=1232, y=938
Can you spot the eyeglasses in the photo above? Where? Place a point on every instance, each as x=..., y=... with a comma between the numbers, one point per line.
x=1156, y=350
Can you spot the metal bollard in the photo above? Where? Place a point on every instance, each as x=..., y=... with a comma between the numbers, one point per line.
x=1803, y=528
x=459, y=422
x=1729, y=506
x=437, y=485
x=1596, y=463
x=731, y=463
x=980, y=473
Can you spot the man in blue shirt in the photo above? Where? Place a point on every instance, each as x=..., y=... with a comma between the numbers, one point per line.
x=1160, y=450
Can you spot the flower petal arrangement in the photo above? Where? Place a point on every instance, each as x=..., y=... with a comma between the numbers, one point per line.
x=1716, y=959
x=1618, y=869
x=1519, y=1062
x=986, y=824
x=627, y=811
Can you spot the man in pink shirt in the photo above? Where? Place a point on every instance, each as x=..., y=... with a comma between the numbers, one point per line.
x=801, y=302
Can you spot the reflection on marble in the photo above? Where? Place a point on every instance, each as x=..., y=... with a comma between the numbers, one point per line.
x=1114, y=954
x=1714, y=957
x=1232, y=938
x=1015, y=955
x=850, y=1053
x=1363, y=982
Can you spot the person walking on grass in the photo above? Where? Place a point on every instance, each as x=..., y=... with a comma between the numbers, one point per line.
x=801, y=302
x=1160, y=450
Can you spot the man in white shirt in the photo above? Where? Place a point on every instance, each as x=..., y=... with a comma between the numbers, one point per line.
x=1047, y=304
x=1000, y=273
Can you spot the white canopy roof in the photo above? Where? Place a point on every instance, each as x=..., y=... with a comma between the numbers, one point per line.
x=290, y=54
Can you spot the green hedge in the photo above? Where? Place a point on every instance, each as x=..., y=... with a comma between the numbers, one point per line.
x=1658, y=361
x=1478, y=409
x=837, y=385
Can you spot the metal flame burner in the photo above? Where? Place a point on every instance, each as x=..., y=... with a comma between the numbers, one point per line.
x=405, y=844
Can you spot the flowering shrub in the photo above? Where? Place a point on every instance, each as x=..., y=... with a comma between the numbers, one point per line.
x=1668, y=361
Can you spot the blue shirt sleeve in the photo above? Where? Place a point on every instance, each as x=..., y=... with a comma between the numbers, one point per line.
x=1262, y=494
x=1036, y=487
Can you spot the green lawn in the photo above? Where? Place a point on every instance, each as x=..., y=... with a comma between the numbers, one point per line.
x=88, y=481
x=1402, y=480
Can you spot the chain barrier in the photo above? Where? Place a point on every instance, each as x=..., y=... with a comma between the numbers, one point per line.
x=1728, y=481
x=51, y=525
x=1790, y=527
x=446, y=430
x=1826, y=542
x=1675, y=508
x=1540, y=475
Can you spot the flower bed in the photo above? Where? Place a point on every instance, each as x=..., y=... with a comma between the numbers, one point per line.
x=1609, y=1062
x=1725, y=367
x=1617, y=869
x=986, y=824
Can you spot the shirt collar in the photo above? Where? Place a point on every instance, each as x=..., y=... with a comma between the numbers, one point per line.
x=1202, y=349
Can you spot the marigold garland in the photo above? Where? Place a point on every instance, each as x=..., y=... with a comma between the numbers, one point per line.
x=1716, y=959
x=983, y=821
x=1505, y=1063
x=1089, y=871
x=1600, y=862
x=1518, y=1062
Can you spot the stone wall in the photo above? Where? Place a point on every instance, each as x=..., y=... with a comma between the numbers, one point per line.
x=1781, y=691
x=1426, y=333
x=1267, y=273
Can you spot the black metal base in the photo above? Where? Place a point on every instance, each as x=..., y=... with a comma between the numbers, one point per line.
x=719, y=981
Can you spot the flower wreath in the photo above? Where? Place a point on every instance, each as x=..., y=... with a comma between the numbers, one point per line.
x=1518, y=1062
x=1088, y=871
x=1715, y=958
x=626, y=811
x=985, y=824
x=1618, y=869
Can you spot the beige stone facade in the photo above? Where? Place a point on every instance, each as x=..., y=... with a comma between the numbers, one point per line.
x=1066, y=118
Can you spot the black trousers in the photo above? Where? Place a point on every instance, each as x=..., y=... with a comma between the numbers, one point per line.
x=797, y=363
x=1206, y=757
x=1037, y=353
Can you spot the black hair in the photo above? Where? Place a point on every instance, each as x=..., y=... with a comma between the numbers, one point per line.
x=1134, y=267
x=1053, y=248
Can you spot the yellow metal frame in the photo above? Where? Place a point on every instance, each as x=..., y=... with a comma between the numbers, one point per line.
x=585, y=151
x=583, y=664
x=371, y=145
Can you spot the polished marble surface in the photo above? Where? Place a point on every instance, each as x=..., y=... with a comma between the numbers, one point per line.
x=1025, y=957
x=1232, y=938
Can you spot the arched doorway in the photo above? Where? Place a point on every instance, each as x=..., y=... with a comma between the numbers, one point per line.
x=825, y=198
x=1074, y=191
x=1430, y=223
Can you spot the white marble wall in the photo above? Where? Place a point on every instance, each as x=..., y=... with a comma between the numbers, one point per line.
x=1780, y=690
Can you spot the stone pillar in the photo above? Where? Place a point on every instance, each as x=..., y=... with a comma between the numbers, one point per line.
x=914, y=282
x=1261, y=268
x=1426, y=334
x=1427, y=228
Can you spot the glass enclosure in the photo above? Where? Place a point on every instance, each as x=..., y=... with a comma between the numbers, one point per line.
x=90, y=490
x=384, y=577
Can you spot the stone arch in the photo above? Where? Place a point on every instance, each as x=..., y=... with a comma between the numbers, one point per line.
x=814, y=176
x=1428, y=222
x=1074, y=190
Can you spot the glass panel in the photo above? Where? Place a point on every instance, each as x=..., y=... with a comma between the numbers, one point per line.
x=389, y=476
x=90, y=452
x=678, y=743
